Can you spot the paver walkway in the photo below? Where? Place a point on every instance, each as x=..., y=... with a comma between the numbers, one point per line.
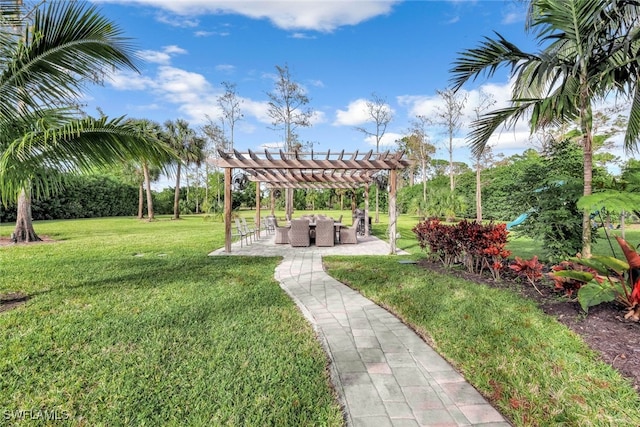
x=385, y=374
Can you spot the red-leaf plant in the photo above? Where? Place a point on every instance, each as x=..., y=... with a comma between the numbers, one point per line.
x=633, y=299
x=529, y=269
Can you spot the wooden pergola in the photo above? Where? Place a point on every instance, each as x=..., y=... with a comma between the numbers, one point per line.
x=312, y=171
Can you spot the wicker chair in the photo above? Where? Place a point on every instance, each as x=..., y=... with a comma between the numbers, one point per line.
x=282, y=232
x=325, y=232
x=349, y=235
x=299, y=233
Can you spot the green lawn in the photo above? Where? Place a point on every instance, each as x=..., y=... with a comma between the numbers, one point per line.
x=131, y=323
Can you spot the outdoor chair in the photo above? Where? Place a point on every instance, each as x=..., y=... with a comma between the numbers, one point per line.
x=270, y=224
x=349, y=235
x=251, y=230
x=282, y=233
x=325, y=232
x=242, y=233
x=299, y=233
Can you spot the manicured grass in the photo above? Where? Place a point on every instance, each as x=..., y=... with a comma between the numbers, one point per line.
x=534, y=369
x=131, y=323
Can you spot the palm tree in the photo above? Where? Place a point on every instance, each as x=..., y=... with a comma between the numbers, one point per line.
x=590, y=50
x=189, y=148
x=44, y=68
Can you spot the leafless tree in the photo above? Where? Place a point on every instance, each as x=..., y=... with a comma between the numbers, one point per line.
x=229, y=102
x=288, y=111
x=380, y=114
x=449, y=116
x=484, y=157
x=420, y=149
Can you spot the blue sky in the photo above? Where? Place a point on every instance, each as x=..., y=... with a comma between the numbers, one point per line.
x=341, y=52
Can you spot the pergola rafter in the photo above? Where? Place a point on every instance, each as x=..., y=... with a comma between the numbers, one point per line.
x=312, y=171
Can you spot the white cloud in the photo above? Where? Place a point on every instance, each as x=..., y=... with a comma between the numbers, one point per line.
x=154, y=56
x=313, y=15
x=161, y=57
x=388, y=140
x=356, y=114
x=180, y=22
x=174, y=50
x=127, y=80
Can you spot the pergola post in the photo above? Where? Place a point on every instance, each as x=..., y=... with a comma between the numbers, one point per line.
x=258, y=208
x=227, y=209
x=393, y=177
x=366, y=210
x=273, y=202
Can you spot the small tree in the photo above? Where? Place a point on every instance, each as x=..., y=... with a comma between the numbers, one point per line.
x=229, y=102
x=449, y=116
x=380, y=114
x=288, y=111
x=420, y=149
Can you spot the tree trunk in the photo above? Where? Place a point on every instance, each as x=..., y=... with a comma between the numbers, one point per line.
x=478, y=194
x=586, y=123
x=24, y=231
x=141, y=200
x=149, y=199
x=377, y=205
x=452, y=183
x=176, y=195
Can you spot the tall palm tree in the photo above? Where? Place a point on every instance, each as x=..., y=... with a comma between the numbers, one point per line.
x=44, y=68
x=589, y=51
x=189, y=147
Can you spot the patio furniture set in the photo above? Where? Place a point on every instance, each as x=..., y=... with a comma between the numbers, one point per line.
x=308, y=229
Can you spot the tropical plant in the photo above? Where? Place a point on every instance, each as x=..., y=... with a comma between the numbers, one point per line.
x=604, y=279
x=590, y=49
x=530, y=269
x=477, y=246
x=44, y=67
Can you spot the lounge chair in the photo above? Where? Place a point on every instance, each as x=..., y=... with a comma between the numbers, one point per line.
x=299, y=233
x=349, y=235
x=325, y=232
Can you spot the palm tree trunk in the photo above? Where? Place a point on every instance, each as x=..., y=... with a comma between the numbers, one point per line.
x=141, y=200
x=587, y=138
x=24, y=231
x=149, y=199
x=176, y=194
x=478, y=194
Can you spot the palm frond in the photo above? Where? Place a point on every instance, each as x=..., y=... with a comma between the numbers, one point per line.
x=485, y=127
x=632, y=136
x=68, y=45
x=77, y=146
x=487, y=58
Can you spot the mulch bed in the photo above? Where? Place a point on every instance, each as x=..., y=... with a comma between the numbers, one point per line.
x=604, y=329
